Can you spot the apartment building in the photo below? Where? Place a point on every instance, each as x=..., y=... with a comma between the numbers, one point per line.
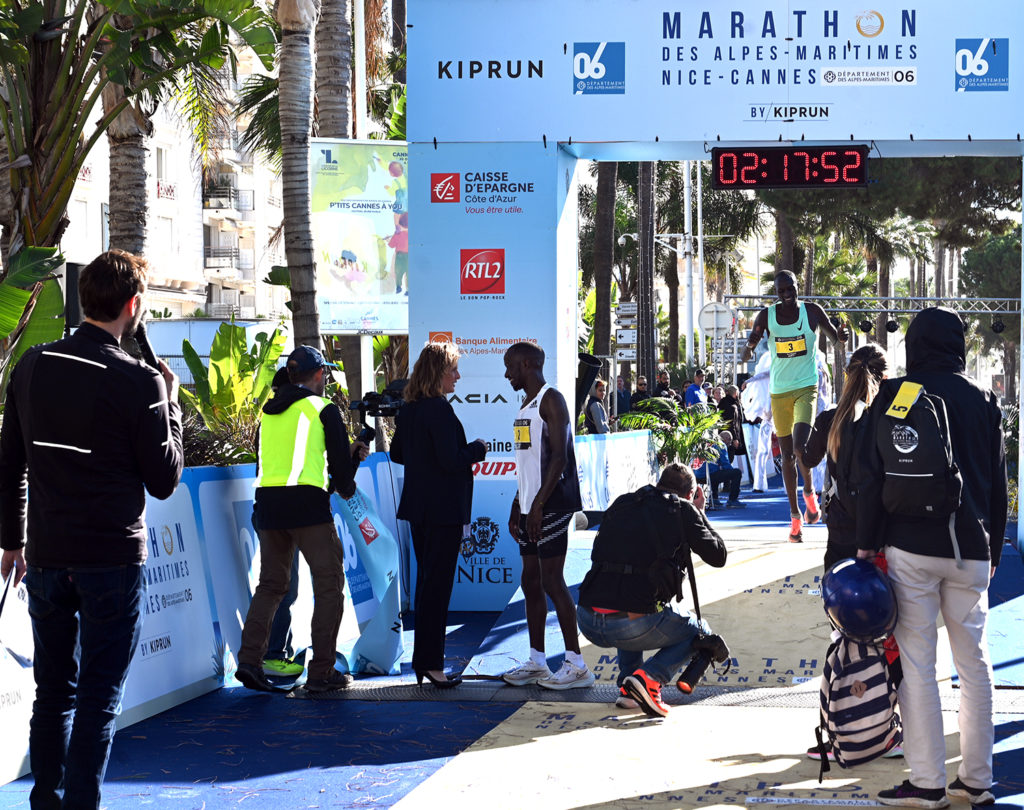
x=210, y=242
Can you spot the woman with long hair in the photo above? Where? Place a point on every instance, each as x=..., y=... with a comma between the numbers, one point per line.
x=832, y=434
x=436, y=497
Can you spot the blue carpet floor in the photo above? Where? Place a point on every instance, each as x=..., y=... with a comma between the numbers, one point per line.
x=235, y=748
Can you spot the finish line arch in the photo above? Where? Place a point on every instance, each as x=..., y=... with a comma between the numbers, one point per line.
x=505, y=97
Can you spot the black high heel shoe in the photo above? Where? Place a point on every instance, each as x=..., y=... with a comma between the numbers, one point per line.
x=449, y=681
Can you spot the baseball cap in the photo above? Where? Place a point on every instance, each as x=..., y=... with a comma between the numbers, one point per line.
x=305, y=359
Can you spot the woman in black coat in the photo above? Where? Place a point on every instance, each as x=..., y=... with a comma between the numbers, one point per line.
x=436, y=497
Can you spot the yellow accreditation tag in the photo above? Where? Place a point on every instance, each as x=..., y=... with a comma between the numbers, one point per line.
x=521, y=433
x=790, y=347
x=905, y=398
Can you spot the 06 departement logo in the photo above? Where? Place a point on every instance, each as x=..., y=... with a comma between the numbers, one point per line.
x=444, y=188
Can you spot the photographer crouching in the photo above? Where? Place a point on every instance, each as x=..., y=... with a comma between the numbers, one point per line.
x=631, y=597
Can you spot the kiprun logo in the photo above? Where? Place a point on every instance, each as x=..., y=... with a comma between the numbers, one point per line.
x=982, y=65
x=598, y=68
x=444, y=188
x=490, y=69
x=482, y=272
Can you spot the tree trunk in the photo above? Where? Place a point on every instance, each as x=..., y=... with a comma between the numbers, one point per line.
x=809, y=268
x=335, y=117
x=647, y=350
x=296, y=113
x=128, y=192
x=334, y=69
x=784, y=243
x=672, y=282
x=604, y=255
x=884, y=291
x=939, y=252
x=398, y=20
x=913, y=276
x=1010, y=372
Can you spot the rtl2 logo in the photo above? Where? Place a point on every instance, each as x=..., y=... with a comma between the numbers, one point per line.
x=482, y=272
x=444, y=188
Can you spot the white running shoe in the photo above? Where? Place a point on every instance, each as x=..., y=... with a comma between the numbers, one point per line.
x=569, y=676
x=526, y=674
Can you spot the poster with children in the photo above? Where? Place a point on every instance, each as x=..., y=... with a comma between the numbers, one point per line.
x=360, y=196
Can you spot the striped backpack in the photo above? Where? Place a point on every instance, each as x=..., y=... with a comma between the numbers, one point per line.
x=859, y=721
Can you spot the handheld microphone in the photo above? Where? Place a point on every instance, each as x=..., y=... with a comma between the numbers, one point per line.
x=145, y=347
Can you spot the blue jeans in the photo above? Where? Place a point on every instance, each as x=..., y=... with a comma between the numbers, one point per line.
x=86, y=624
x=279, y=645
x=671, y=632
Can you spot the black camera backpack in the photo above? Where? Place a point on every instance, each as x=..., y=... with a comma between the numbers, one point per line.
x=921, y=477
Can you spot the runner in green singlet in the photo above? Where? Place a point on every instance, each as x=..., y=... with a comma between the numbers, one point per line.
x=793, y=329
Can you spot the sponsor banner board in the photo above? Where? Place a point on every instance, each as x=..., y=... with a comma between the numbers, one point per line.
x=759, y=70
x=360, y=215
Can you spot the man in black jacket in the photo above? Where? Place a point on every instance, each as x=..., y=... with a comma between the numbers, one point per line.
x=89, y=464
x=925, y=574
x=630, y=598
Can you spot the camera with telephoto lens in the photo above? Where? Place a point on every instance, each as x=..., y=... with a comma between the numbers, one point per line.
x=385, y=403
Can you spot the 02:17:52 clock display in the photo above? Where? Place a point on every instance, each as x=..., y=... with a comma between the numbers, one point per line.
x=790, y=167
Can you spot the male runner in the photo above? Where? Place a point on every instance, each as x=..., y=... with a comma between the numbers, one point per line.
x=793, y=327
x=544, y=506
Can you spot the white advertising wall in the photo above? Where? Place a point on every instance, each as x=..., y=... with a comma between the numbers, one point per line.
x=644, y=71
x=488, y=226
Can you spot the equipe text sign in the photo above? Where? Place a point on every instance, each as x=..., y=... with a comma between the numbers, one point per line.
x=756, y=71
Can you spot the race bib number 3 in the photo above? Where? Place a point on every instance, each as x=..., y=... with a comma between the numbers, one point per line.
x=790, y=347
x=521, y=434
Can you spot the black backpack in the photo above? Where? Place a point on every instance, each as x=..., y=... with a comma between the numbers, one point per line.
x=921, y=477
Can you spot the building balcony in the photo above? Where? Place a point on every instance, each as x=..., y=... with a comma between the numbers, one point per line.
x=220, y=260
x=220, y=197
x=165, y=190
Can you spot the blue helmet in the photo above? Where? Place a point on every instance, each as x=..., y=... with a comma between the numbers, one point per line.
x=859, y=600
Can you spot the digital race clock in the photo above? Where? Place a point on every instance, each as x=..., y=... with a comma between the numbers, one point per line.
x=790, y=167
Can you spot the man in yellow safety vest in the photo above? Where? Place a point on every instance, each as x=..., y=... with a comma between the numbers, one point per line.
x=304, y=454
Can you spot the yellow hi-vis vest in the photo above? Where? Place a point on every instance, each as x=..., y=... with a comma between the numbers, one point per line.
x=293, y=450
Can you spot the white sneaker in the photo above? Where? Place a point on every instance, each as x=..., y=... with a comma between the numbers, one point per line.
x=569, y=676
x=526, y=674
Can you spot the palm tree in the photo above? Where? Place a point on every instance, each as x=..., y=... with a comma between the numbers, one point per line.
x=61, y=57
x=199, y=96
x=297, y=19
x=334, y=69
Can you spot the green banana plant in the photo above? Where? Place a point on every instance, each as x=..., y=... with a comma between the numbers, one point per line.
x=237, y=383
x=31, y=306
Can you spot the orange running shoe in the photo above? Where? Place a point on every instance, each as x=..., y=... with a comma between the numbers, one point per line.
x=796, y=534
x=813, y=513
x=647, y=693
